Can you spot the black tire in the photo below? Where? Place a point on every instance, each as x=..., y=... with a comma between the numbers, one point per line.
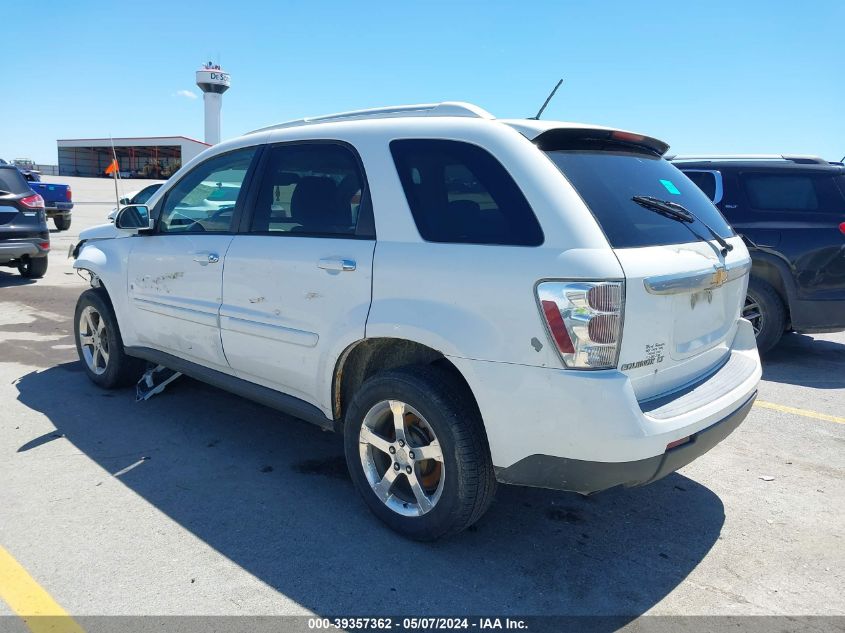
x=771, y=323
x=33, y=267
x=469, y=482
x=119, y=370
x=62, y=223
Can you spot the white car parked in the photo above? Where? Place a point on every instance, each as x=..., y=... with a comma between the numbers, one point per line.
x=466, y=299
x=136, y=197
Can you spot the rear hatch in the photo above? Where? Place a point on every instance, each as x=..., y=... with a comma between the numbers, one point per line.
x=12, y=187
x=17, y=219
x=683, y=289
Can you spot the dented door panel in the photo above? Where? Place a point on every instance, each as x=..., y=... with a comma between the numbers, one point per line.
x=175, y=289
x=288, y=312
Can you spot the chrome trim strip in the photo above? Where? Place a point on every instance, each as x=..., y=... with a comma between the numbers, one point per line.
x=177, y=312
x=269, y=331
x=737, y=271
x=696, y=281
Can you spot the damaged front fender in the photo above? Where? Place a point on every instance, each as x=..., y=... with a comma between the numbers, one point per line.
x=88, y=256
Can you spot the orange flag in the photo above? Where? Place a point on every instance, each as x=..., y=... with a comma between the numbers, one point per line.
x=113, y=167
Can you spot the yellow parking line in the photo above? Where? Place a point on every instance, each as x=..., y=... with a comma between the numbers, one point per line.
x=805, y=412
x=30, y=601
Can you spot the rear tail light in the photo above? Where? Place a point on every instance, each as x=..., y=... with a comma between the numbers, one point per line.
x=584, y=320
x=34, y=201
x=842, y=227
x=44, y=246
x=627, y=136
x=68, y=194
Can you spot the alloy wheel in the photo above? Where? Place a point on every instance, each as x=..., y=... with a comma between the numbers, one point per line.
x=402, y=458
x=753, y=313
x=93, y=340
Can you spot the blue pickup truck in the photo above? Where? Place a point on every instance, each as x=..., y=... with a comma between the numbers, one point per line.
x=58, y=202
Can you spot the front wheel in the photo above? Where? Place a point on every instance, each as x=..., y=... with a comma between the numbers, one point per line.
x=33, y=267
x=62, y=223
x=417, y=453
x=766, y=312
x=99, y=344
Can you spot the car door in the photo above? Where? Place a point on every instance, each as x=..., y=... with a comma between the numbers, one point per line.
x=175, y=275
x=297, y=284
x=803, y=209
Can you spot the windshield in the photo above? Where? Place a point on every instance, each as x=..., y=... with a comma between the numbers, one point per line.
x=145, y=194
x=11, y=181
x=609, y=180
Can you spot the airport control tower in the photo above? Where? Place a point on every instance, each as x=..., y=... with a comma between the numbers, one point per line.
x=213, y=82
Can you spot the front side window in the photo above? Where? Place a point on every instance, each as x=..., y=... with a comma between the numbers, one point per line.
x=310, y=189
x=459, y=193
x=205, y=199
x=776, y=192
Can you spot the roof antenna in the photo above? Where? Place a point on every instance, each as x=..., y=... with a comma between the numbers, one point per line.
x=546, y=102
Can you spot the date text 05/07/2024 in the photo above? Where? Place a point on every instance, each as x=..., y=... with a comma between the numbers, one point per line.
x=411, y=624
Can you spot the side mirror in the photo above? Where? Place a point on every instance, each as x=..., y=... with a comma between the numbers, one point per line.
x=135, y=218
x=125, y=201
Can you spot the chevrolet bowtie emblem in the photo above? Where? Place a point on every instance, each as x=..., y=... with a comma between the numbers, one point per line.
x=720, y=276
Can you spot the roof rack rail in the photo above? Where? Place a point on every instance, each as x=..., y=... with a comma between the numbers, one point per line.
x=446, y=108
x=811, y=160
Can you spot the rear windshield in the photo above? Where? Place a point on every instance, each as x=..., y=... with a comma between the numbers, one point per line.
x=608, y=179
x=11, y=181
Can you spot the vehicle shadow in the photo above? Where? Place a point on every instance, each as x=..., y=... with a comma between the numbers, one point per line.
x=806, y=361
x=14, y=279
x=272, y=495
x=40, y=333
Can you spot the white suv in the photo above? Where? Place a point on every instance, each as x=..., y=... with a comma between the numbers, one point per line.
x=466, y=299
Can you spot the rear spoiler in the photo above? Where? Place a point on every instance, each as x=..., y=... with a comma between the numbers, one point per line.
x=587, y=138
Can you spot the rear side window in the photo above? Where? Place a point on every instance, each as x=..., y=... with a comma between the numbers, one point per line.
x=704, y=180
x=310, y=189
x=607, y=180
x=11, y=181
x=460, y=194
x=775, y=192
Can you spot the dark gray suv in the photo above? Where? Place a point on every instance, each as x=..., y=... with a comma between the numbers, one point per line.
x=791, y=212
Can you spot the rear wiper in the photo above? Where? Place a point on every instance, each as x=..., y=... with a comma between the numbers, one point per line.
x=664, y=207
x=682, y=214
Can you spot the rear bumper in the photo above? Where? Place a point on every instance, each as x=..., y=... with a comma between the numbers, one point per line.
x=58, y=209
x=818, y=316
x=547, y=471
x=11, y=250
x=586, y=431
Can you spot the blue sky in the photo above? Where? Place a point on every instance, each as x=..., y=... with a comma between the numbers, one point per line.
x=743, y=76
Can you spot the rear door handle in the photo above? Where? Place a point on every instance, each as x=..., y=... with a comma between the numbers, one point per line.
x=204, y=258
x=336, y=264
